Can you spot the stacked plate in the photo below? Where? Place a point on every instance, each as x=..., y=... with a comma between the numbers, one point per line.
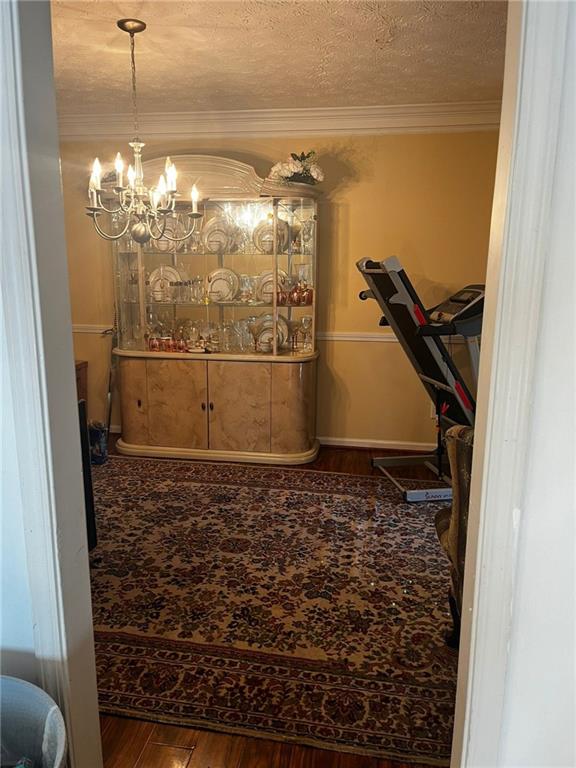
x=264, y=334
x=160, y=279
x=220, y=235
x=223, y=285
x=263, y=236
x=265, y=285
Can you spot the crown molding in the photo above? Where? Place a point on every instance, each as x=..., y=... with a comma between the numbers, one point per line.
x=325, y=121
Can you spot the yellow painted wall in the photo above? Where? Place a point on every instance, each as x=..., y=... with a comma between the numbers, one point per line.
x=425, y=198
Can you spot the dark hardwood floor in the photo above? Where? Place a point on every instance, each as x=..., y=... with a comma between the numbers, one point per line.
x=137, y=744
x=131, y=743
x=350, y=461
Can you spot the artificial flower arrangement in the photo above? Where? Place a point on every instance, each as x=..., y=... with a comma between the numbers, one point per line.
x=300, y=168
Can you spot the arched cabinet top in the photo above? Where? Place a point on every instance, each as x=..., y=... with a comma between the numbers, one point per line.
x=221, y=178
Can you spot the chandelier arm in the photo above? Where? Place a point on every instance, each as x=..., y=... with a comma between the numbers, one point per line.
x=105, y=235
x=127, y=207
x=152, y=235
x=185, y=237
x=112, y=210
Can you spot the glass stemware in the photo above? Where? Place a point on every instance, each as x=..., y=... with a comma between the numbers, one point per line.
x=294, y=329
x=254, y=328
x=306, y=323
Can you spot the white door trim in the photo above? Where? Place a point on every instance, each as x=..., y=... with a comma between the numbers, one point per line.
x=38, y=307
x=36, y=314
x=533, y=91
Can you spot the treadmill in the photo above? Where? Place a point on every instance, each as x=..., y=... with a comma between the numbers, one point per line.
x=421, y=333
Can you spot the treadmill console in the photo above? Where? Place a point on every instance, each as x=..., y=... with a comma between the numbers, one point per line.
x=466, y=304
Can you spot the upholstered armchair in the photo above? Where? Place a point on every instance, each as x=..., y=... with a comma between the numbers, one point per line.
x=452, y=523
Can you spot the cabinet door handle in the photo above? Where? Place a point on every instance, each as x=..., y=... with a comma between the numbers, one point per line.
x=211, y=406
x=203, y=406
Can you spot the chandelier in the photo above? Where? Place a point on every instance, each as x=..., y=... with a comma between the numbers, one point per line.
x=143, y=212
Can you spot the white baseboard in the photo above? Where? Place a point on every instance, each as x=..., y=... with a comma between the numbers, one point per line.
x=357, y=442
x=350, y=442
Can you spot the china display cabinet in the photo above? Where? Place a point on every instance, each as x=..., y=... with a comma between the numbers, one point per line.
x=216, y=334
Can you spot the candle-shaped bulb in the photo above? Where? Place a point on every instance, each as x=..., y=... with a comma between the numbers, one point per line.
x=171, y=176
x=167, y=166
x=194, y=198
x=93, y=191
x=119, y=167
x=96, y=172
x=161, y=189
x=131, y=176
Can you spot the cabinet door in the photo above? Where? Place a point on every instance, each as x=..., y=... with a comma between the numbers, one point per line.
x=177, y=403
x=293, y=407
x=133, y=400
x=239, y=406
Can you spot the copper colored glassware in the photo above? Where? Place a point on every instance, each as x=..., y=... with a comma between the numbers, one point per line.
x=294, y=295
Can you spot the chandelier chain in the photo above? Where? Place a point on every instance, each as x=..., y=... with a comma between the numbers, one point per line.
x=134, y=102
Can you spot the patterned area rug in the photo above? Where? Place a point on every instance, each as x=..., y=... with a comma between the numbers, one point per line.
x=299, y=605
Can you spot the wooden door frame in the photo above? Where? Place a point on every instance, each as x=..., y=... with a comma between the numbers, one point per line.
x=37, y=303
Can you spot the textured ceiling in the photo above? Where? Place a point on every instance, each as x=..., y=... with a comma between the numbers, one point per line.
x=202, y=55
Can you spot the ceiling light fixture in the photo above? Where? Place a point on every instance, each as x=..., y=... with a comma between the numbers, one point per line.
x=142, y=211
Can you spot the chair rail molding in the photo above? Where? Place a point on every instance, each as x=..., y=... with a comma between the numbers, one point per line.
x=94, y=329
x=386, y=337
x=325, y=121
x=333, y=336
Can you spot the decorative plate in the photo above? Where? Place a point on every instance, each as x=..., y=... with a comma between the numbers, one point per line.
x=263, y=236
x=265, y=331
x=219, y=235
x=265, y=285
x=160, y=279
x=223, y=285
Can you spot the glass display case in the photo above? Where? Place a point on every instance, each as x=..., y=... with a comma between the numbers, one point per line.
x=230, y=310
x=244, y=283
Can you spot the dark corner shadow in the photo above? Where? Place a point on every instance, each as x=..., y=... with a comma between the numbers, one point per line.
x=17, y=663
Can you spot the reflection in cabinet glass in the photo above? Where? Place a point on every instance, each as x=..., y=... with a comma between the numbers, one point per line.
x=211, y=318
